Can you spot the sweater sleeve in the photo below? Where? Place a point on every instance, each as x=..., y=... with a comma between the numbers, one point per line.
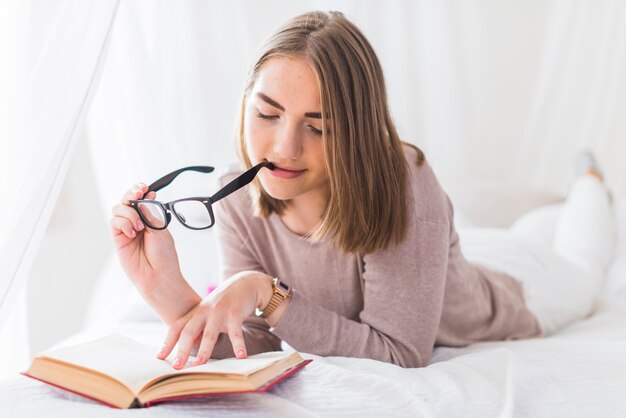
x=402, y=304
x=235, y=256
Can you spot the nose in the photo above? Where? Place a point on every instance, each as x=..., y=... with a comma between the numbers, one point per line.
x=288, y=143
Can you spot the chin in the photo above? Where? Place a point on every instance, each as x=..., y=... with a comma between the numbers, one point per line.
x=277, y=191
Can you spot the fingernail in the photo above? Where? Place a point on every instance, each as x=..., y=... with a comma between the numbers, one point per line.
x=240, y=353
x=161, y=353
x=199, y=359
x=132, y=233
x=140, y=225
x=163, y=350
x=177, y=362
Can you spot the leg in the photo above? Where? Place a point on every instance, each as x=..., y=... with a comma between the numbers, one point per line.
x=538, y=225
x=559, y=253
x=585, y=231
x=547, y=278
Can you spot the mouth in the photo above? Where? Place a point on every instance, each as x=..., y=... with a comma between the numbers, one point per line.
x=286, y=172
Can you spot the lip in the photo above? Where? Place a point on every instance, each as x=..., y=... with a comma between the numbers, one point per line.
x=285, y=172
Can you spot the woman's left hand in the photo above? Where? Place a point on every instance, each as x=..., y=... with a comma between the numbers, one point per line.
x=222, y=311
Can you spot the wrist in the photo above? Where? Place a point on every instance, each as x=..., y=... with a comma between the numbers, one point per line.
x=275, y=317
x=271, y=305
x=264, y=291
x=171, y=298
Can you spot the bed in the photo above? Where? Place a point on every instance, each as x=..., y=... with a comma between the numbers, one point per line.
x=578, y=371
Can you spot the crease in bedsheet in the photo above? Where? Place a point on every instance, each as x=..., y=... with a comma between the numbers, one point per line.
x=358, y=387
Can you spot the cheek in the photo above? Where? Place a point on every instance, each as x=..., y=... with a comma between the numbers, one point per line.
x=253, y=134
x=320, y=158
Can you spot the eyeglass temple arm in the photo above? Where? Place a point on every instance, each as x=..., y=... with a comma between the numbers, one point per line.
x=240, y=181
x=168, y=178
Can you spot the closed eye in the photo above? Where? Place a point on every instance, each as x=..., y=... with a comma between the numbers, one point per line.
x=266, y=117
x=315, y=131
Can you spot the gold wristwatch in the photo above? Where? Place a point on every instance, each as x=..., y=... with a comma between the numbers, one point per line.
x=281, y=292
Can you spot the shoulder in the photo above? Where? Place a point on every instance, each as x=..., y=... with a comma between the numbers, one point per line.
x=426, y=199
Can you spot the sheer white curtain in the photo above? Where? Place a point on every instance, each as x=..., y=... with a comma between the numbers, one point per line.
x=579, y=99
x=491, y=90
x=58, y=49
x=508, y=92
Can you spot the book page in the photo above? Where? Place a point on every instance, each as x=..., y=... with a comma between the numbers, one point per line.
x=135, y=364
x=122, y=358
x=239, y=366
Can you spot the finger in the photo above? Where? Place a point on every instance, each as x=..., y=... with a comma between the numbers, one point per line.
x=129, y=213
x=136, y=192
x=152, y=214
x=235, y=334
x=196, y=345
x=171, y=339
x=209, y=338
x=187, y=337
x=124, y=226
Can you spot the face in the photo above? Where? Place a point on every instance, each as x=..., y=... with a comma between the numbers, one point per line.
x=282, y=124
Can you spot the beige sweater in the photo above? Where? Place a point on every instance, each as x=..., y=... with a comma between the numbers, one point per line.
x=393, y=305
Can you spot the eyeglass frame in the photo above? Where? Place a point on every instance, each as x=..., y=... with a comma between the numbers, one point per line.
x=208, y=201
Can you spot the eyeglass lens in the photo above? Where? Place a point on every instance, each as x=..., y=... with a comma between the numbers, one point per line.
x=152, y=213
x=193, y=213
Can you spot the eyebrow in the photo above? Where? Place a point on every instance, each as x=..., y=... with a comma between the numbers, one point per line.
x=272, y=102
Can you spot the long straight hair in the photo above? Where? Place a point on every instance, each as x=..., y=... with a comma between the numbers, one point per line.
x=365, y=162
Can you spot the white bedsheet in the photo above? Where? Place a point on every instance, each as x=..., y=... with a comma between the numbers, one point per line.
x=579, y=371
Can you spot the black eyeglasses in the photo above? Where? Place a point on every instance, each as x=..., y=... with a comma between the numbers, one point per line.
x=192, y=212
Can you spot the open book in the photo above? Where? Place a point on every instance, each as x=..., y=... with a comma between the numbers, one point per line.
x=124, y=373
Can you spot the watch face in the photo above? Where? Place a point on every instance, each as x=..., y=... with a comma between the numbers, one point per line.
x=283, y=286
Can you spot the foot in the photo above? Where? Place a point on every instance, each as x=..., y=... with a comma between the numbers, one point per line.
x=586, y=164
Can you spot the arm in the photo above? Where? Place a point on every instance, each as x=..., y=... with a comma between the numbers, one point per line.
x=149, y=259
x=170, y=298
x=403, y=299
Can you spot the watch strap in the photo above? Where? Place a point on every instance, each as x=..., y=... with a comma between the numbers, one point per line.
x=281, y=291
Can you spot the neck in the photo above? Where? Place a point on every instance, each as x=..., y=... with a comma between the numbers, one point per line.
x=304, y=213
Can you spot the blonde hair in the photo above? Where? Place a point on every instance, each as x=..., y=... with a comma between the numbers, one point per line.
x=365, y=162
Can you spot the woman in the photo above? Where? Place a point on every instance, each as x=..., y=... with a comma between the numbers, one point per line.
x=351, y=218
